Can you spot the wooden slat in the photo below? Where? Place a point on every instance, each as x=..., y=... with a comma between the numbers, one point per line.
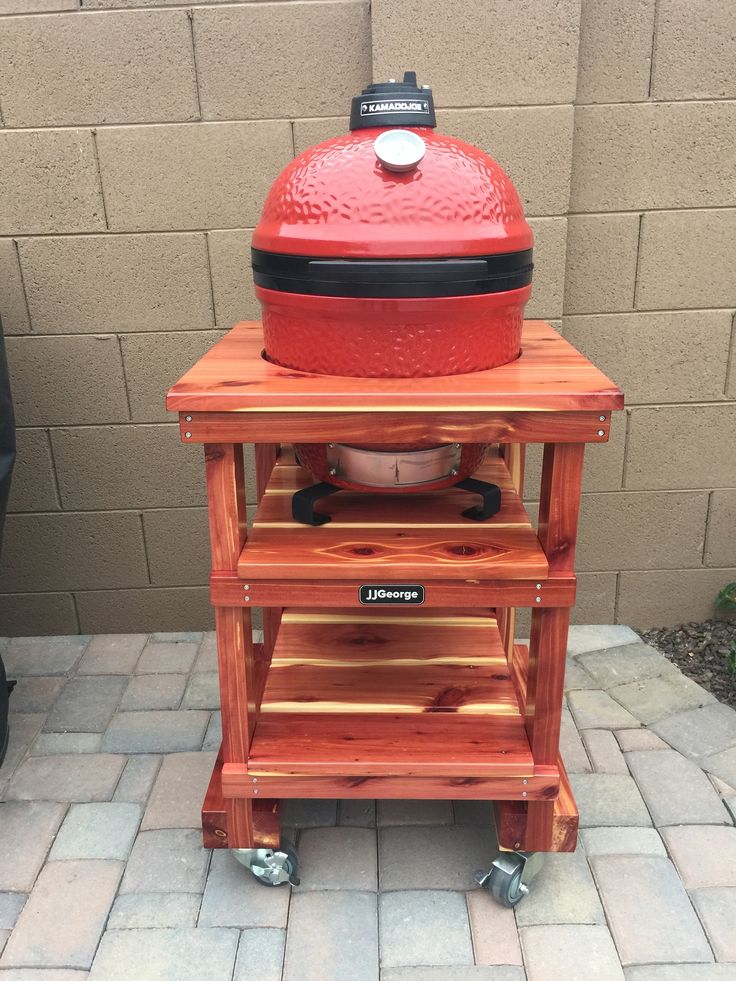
x=327, y=662
x=238, y=782
x=266, y=823
x=439, y=592
x=549, y=374
x=559, y=832
x=425, y=427
x=437, y=744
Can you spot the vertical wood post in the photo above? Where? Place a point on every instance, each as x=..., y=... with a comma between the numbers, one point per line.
x=266, y=456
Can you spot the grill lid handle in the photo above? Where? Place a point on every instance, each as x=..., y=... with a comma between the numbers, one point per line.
x=393, y=103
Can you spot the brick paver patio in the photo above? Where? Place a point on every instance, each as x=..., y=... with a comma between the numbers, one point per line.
x=102, y=873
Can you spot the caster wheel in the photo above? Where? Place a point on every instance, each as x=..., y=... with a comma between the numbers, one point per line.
x=271, y=867
x=508, y=878
x=505, y=880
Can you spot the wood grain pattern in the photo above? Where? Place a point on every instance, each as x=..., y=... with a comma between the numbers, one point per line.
x=329, y=662
x=515, y=821
x=266, y=455
x=549, y=374
x=424, y=427
x=266, y=823
x=439, y=592
x=238, y=782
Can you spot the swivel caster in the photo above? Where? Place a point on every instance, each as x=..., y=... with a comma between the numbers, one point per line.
x=270, y=867
x=509, y=876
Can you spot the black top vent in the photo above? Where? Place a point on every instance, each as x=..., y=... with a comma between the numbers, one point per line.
x=393, y=103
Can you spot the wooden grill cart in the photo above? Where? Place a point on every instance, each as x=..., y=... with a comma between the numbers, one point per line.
x=435, y=700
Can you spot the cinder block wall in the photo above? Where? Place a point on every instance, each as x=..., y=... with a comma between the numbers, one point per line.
x=138, y=140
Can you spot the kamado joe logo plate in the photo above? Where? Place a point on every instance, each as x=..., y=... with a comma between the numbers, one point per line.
x=377, y=107
x=391, y=594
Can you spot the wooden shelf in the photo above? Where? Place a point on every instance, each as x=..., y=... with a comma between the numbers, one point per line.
x=391, y=537
x=372, y=693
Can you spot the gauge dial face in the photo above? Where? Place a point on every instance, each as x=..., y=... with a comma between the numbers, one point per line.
x=399, y=149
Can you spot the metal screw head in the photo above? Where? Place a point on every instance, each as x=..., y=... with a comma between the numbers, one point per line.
x=188, y=435
x=247, y=599
x=525, y=780
x=246, y=586
x=188, y=418
x=331, y=446
x=523, y=793
x=602, y=418
x=453, y=472
x=517, y=844
x=601, y=432
x=332, y=472
x=537, y=599
x=539, y=585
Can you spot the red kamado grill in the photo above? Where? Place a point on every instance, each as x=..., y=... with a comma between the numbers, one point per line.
x=392, y=252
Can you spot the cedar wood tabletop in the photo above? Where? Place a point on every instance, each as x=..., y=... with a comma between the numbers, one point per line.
x=277, y=745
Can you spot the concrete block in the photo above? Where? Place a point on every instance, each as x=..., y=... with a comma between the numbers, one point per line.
x=705, y=856
x=609, y=800
x=309, y=813
x=357, y=813
x=166, y=657
x=621, y=841
x=178, y=544
x=684, y=259
x=62, y=922
x=33, y=487
x=596, y=710
x=596, y=597
x=648, y=910
x=154, y=361
x=553, y=953
x=156, y=732
x=177, y=795
x=166, y=861
x=145, y=609
x=653, y=432
x=12, y=294
x=338, y=858
x=433, y=857
x=656, y=599
x=203, y=691
x=602, y=471
x=614, y=59
x=49, y=183
x=657, y=698
x=97, y=831
x=75, y=283
x=682, y=972
x=414, y=812
x=72, y=551
x=720, y=547
x=233, y=897
x=184, y=954
x=604, y=751
x=576, y=678
x=493, y=929
x=67, y=380
x=232, y=276
x=631, y=740
x=22, y=734
x=11, y=903
x=86, y=705
x=626, y=663
x=29, y=829
x=622, y=346
x=332, y=936
x=161, y=691
x=675, y=790
x=112, y=654
x=532, y=144
x=154, y=911
x=624, y=530
x=66, y=778
x=550, y=235
x=47, y=613
x=36, y=694
x=28, y=7
x=717, y=909
x=702, y=732
x=563, y=892
x=117, y=67
x=135, y=784
x=190, y=176
x=124, y=466
x=653, y=155
x=600, y=267
x=721, y=764
x=241, y=49
x=573, y=752
x=694, y=51
x=449, y=48
x=207, y=656
x=596, y=637
x=65, y=743
x=263, y=947
x=475, y=973
x=426, y=927
x=43, y=656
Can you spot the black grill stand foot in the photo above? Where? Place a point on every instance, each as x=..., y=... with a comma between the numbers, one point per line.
x=302, y=504
x=490, y=497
